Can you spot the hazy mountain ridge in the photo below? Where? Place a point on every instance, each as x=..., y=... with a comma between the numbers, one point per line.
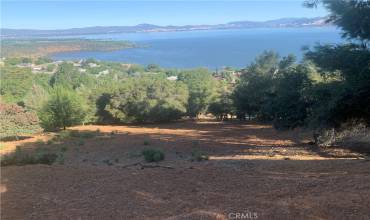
x=278, y=23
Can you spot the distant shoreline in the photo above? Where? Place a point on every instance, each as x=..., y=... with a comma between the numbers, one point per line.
x=47, y=47
x=7, y=33
x=211, y=49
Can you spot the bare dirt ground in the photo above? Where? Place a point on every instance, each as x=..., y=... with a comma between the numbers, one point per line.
x=253, y=171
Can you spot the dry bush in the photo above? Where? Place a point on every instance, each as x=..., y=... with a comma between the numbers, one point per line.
x=16, y=121
x=353, y=134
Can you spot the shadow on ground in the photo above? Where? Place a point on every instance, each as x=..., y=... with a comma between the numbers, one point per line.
x=251, y=168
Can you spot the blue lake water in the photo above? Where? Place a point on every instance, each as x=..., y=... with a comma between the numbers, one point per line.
x=211, y=49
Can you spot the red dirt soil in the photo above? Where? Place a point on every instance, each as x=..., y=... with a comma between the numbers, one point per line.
x=253, y=171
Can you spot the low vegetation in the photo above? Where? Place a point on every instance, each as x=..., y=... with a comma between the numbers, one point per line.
x=38, y=156
x=16, y=121
x=197, y=155
x=63, y=108
x=153, y=155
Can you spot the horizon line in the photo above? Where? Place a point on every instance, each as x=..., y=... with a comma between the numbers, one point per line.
x=168, y=25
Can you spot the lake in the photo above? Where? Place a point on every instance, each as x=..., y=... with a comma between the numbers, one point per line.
x=210, y=48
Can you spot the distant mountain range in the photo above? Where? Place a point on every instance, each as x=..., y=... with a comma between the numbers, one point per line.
x=278, y=23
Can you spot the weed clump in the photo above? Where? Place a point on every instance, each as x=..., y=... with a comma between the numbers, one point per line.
x=153, y=155
x=78, y=134
x=198, y=155
x=21, y=157
x=108, y=162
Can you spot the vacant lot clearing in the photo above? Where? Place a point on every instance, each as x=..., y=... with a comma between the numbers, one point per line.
x=251, y=170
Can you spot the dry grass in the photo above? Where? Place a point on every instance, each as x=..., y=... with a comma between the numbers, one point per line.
x=251, y=167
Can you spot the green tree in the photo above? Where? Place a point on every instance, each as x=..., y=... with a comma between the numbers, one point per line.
x=256, y=85
x=69, y=77
x=36, y=97
x=63, y=108
x=15, y=83
x=289, y=106
x=148, y=99
x=201, y=86
x=222, y=105
x=349, y=94
x=350, y=15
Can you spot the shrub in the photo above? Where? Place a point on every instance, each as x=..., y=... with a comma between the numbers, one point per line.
x=153, y=155
x=78, y=134
x=354, y=135
x=69, y=134
x=46, y=158
x=21, y=157
x=15, y=121
x=148, y=99
x=198, y=155
x=222, y=105
x=36, y=97
x=202, y=89
x=63, y=108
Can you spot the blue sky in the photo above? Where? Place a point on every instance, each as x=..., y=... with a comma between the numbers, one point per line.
x=53, y=14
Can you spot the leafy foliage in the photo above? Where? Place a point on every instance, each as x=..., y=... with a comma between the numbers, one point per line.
x=16, y=121
x=21, y=157
x=289, y=105
x=15, y=83
x=256, y=85
x=63, y=108
x=348, y=98
x=148, y=99
x=222, y=105
x=351, y=15
x=153, y=155
x=67, y=76
x=36, y=97
x=201, y=86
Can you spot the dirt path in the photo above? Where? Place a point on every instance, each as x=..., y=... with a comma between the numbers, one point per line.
x=253, y=171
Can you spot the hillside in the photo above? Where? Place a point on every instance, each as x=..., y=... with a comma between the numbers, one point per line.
x=279, y=23
x=251, y=168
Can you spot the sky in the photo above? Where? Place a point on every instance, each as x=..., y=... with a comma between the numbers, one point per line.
x=58, y=14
